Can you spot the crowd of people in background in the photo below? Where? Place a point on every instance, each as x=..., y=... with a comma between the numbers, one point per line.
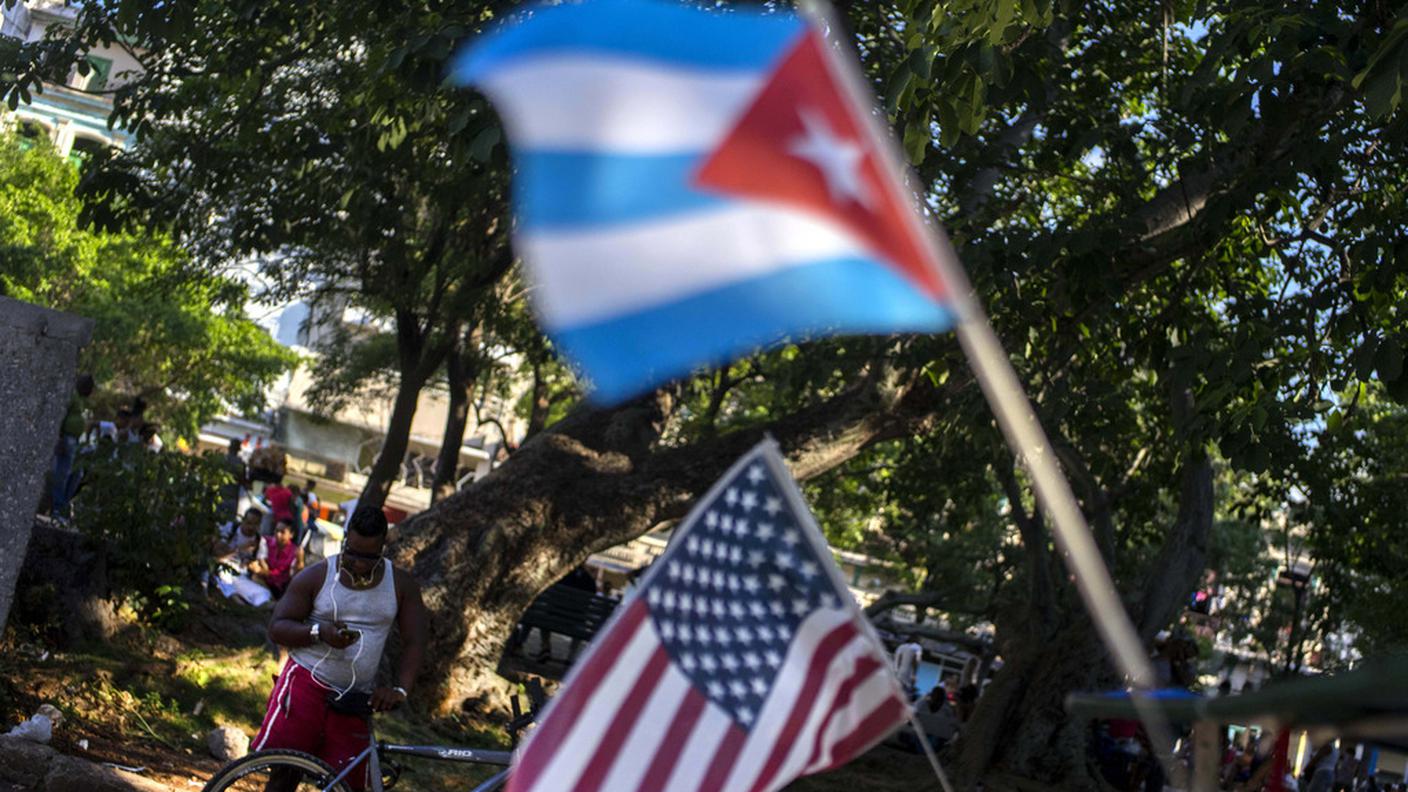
x=1333, y=767
x=944, y=708
x=82, y=432
x=279, y=532
x=1249, y=757
x=268, y=531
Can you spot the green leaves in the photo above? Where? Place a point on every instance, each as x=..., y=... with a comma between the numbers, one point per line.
x=153, y=517
x=165, y=329
x=1388, y=360
x=949, y=65
x=1383, y=79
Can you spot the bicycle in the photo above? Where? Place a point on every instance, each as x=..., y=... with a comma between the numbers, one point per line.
x=284, y=770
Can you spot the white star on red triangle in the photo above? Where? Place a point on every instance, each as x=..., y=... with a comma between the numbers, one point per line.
x=838, y=159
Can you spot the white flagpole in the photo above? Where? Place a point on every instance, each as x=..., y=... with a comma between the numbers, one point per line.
x=1018, y=421
x=929, y=751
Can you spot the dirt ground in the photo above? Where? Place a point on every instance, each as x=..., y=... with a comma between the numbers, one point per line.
x=148, y=699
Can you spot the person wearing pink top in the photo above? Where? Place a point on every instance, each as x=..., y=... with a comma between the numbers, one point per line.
x=284, y=559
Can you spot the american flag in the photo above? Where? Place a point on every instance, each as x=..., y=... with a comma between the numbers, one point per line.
x=741, y=662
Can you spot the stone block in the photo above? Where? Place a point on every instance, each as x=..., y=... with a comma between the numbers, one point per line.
x=23, y=762
x=68, y=774
x=38, y=364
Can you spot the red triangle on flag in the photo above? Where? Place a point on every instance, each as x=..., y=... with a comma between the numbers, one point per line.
x=802, y=143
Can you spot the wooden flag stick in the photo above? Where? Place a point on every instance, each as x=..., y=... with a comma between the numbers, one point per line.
x=1008, y=401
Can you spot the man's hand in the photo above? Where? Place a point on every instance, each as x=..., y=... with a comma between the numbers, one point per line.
x=337, y=635
x=384, y=699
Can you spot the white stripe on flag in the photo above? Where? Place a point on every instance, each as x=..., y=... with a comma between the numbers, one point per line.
x=801, y=748
x=790, y=681
x=874, y=692
x=580, y=273
x=613, y=104
x=648, y=732
x=579, y=744
x=698, y=751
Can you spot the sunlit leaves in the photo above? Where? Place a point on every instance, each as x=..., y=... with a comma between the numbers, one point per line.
x=165, y=329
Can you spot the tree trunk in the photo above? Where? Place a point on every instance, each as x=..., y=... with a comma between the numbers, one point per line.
x=393, y=448
x=1020, y=725
x=62, y=589
x=539, y=404
x=1183, y=557
x=593, y=480
x=461, y=372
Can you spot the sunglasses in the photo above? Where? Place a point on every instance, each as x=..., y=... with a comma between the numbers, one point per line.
x=361, y=557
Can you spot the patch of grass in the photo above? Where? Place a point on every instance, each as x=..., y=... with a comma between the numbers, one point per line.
x=150, y=698
x=232, y=687
x=123, y=690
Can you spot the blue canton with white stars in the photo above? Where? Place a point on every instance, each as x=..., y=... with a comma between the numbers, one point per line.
x=732, y=589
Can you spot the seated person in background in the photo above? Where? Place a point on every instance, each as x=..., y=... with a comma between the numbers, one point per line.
x=937, y=717
x=240, y=548
x=282, y=559
x=239, y=541
x=321, y=539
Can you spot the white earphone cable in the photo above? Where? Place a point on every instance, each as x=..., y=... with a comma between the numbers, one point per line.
x=336, y=582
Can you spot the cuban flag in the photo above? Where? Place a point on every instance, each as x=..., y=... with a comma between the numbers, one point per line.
x=694, y=185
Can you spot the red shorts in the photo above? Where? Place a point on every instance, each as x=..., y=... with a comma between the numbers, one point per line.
x=299, y=718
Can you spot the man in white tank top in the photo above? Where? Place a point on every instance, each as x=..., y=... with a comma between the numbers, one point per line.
x=335, y=618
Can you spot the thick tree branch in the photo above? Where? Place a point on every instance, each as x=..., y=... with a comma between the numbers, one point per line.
x=1033, y=532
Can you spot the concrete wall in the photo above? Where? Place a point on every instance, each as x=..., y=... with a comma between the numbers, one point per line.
x=38, y=364
x=333, y=442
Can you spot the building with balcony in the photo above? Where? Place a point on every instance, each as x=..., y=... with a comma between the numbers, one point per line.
x=72, y=115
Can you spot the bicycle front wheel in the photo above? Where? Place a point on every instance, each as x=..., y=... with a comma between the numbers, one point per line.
x=276, y=770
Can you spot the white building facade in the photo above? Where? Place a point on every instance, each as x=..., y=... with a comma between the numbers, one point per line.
x=72, y=115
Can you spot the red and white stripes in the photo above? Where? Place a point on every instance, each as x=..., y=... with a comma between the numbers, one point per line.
x=627, y=719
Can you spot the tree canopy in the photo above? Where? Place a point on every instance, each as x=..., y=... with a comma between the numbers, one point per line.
x=167, y=330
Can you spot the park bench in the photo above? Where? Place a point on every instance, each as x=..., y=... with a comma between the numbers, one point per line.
x=563, y=610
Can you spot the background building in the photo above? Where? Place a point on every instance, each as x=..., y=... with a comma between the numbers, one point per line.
x=337, y=450
x=73, y=115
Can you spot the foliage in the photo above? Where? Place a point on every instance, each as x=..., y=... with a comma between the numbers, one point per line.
x=1337, y=513
x=1355, y=510
x=1249, y=547
x=1198, y=204
x=154, y=516
x=324, y=144
x=352, y=362
x=166, y=330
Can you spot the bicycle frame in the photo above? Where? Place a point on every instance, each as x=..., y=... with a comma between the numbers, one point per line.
x=372, y=753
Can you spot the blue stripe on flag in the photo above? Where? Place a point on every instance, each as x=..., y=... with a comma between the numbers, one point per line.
x=667, y=32
x=563, y=190
x=624, y=356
